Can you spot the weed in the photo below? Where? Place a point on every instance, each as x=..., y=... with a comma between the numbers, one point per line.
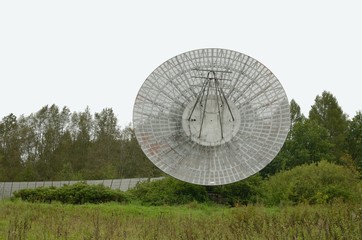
x=22, y=220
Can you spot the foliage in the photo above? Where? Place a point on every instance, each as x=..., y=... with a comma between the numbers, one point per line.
x=247, y=191
x=78, y=193
x=308, y=143
x=354, y=139
x=55, y=144
x=295, y=112
x=322, y=182
x=10, y=155
x=315, y=183
x=168, y=191
x=21, y=220
x=321, y=136
x=327, y=113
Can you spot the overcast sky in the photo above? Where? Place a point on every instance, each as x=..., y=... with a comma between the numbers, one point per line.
x=98, y=53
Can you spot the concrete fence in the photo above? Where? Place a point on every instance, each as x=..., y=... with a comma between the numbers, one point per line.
x=8, y=188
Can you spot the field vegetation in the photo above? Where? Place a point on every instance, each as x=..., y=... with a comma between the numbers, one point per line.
x=306, y=184
x=22, y=220
x=313, y=201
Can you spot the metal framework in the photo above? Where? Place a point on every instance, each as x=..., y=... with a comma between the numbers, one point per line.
x=211, y=116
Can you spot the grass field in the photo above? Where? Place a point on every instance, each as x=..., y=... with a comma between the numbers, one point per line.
x=21, y=220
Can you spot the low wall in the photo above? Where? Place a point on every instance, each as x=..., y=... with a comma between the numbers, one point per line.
x=8, y=188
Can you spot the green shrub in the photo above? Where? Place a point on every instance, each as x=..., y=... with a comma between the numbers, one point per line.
x=318, y=183
x=42, y=194
x=247, y=191
x=78, y=193
x=168, y=191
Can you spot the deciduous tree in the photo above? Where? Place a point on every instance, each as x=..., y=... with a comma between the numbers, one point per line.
x=354, y=139
x=10, y=149
x=328, y=114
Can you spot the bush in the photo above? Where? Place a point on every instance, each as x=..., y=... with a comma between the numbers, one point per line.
x=168, y=191
x=247, y=191
x=41, y=194
x=318, y=183
x=78, y=193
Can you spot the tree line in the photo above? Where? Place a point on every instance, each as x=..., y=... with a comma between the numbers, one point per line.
x=326, y=134
x=55, y=144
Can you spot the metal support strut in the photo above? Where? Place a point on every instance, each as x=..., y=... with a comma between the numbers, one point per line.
x=211, y=81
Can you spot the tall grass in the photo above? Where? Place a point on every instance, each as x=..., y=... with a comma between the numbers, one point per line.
x=20, y=220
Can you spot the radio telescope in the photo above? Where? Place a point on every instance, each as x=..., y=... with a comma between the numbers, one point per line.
x=211, y=116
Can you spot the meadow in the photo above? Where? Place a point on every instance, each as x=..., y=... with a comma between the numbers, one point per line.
x=24, y=220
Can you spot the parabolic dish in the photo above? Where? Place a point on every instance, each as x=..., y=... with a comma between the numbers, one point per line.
x=211, y=116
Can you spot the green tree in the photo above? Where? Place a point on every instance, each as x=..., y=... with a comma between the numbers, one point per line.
x=309, y=143
x=81, y=129
x=28, y=137
x=328, y=114
x=105, y=152
x=62, y=157
x=2, y=169
x=10, y=149
x=354, y=139
x=50, y=124
x=134, y=162
x=279, y=163
x=295, y=112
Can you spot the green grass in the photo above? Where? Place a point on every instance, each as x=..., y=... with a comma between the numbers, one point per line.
x=22, y=220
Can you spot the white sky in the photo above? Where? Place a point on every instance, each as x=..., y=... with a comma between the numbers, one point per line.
x=98, y=53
